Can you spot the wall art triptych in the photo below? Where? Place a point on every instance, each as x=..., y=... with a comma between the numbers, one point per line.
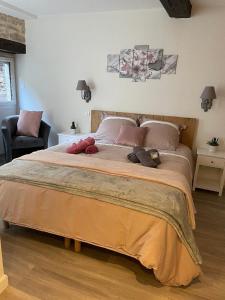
x=141, y=63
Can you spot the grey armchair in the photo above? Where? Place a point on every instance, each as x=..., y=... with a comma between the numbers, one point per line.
x=16, y=146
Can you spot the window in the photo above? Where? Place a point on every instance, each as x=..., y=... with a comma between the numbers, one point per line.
x=7, y=80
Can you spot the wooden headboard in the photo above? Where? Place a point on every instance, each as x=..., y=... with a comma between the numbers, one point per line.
x=188, y=135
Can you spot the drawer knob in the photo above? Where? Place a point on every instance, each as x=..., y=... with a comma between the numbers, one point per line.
x=211, y=161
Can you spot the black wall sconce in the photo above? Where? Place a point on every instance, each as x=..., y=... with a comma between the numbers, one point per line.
x=85, y=90
x=207, y=97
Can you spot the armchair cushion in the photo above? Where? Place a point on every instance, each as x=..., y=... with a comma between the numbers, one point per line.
x=29, y=123
x=23, y=142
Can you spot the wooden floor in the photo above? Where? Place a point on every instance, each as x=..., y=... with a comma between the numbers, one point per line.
x=40, y=268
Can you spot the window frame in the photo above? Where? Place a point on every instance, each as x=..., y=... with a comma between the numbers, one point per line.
x=4, y=57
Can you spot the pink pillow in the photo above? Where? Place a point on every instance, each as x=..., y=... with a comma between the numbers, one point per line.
x=29, y=123
x=131, y=136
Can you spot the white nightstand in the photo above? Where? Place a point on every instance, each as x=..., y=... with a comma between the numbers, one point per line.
x=210, y=171
x=68, y=137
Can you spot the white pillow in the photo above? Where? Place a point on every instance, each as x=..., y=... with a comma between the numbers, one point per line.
x=109, y=128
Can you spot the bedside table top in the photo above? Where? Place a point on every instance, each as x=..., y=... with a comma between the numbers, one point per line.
x=206, y=152
x=70, y=133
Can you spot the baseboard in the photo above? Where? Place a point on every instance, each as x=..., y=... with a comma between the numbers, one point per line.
x=3, y=283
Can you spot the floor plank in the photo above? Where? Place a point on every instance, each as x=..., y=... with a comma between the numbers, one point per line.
x=39, y=268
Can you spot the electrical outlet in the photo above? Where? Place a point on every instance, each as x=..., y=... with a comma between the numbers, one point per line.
x=87, y=113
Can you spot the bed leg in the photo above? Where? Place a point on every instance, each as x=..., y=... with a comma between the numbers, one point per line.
x=77, y=246
x=67, y=243
x=5, y=224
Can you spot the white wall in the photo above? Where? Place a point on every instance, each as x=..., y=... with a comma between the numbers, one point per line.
x=63, y=49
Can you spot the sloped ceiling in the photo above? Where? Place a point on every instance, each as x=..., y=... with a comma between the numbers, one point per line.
x=35, y=8
x=57, y=7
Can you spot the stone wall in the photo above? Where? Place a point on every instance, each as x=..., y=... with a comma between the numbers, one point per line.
x=12, y=28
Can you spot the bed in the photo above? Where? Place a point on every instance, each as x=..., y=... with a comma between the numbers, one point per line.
x=103, y=200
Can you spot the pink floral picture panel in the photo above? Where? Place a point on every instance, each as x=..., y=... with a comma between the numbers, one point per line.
x=126, y=63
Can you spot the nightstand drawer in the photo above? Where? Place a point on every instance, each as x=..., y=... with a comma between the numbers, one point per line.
x=211, y=161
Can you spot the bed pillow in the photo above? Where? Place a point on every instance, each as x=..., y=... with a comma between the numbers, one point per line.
x=161, y=135
x=109, y=128
x=131, y=136
x=29, y=123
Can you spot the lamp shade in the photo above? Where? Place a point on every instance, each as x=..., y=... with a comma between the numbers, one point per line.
x=208, y=93
x=81, y=85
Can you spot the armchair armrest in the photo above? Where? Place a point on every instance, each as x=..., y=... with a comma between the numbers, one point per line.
x=8, y=129
x=10, y=124
x=7, y=143
x=44, y=132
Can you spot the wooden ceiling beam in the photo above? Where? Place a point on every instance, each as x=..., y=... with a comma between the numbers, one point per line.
x=177, y=8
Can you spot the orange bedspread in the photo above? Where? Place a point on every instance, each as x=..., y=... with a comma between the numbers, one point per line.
x=149, y=239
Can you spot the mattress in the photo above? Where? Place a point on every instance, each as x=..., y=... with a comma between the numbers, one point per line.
x=180, y=160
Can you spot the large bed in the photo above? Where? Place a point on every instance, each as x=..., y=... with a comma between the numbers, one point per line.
x=105, y=200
